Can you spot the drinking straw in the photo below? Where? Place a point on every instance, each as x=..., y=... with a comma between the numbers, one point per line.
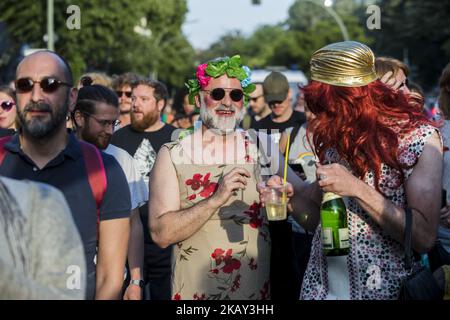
x=286, y=164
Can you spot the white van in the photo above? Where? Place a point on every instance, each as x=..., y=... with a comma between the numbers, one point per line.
x=294, y=77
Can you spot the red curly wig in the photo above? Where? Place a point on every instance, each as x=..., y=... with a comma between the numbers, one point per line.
x=362, y=124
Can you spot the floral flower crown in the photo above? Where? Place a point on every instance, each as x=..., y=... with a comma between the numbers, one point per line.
x=216, y=68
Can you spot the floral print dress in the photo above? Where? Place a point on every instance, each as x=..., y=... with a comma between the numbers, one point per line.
x=228, y=258
x=375, y=262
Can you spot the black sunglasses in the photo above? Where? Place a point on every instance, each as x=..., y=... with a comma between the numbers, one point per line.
x=7, y=105
x=127, y=93
x=48, y=84
x=219, y=93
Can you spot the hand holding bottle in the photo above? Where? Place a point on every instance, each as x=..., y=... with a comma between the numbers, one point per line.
x=337, y=179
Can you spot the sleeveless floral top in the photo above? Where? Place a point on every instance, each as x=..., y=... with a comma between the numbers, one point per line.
x=228, y=258
x=375, y=262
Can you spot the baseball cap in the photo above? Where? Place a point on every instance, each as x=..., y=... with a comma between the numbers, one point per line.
x=276, y=87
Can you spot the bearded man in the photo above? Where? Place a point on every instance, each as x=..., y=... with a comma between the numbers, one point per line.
x=142, y=139
x=203, y=195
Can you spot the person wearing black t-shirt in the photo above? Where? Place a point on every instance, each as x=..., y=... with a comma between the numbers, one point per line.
x=142, y=139
x=279, y=96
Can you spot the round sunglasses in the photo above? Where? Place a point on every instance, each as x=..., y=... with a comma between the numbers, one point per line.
x=219, y=93
x=7, y=105
x=127, y=93
x=47, y=84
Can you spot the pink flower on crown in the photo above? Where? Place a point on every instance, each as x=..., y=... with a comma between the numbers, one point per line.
x=202, y=78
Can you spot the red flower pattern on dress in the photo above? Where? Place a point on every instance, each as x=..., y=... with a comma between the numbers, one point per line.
x=197, y=297
x=236, y=283
x=265, y=291
x=230, y=263
x=176, y=297
x=197, y=182
x=253, y=211
x=252, y=264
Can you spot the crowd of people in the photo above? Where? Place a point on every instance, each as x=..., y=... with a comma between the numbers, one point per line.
x=112, y=188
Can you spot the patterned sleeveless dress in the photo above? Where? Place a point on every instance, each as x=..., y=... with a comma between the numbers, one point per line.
x=229, y=257
x=375, y=262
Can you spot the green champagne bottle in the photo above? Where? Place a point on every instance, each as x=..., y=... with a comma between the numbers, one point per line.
x=333, y=217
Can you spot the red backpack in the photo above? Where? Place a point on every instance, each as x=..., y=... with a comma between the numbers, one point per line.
x=94, y=167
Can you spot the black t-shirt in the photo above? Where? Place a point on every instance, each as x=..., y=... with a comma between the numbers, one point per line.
x=67, y=172
x=144, y=146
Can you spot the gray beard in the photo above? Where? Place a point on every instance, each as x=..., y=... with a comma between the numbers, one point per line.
x=38, y=128
x=221, y=125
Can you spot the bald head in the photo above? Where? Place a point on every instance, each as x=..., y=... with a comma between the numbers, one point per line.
x=46, y=58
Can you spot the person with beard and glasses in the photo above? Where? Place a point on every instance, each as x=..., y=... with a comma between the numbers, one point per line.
x=142, y=139
x=203, y=194
x=95, y=115
x=45, y=151
x=122, y=87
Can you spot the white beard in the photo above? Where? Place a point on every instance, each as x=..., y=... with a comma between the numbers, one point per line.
x=224, y=125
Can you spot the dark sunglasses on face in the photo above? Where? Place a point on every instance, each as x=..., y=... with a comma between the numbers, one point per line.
x=104, y=123
x=47, y=84
x=127, y=93
x=219, y=93
x=7, y=105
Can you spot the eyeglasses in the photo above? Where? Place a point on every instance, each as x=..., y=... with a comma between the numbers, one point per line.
x=47, y=84
x=7, y=105
x=127, y=93
x=104, y=123
x=254, y=99
x=219, y=93
x=86, y=81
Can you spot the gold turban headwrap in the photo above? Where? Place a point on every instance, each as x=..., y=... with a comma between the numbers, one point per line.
x=345, y=64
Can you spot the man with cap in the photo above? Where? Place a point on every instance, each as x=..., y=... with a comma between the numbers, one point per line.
x=386, y=160
x=278, y=96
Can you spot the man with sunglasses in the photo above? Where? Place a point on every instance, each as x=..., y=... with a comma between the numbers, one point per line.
x=203, y=194
x=45, y=151
x=122, y=86
x=258, y=110
x=142, y=139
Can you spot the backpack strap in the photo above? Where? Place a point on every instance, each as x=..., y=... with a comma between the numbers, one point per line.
x=3, y=151
x=96, y=175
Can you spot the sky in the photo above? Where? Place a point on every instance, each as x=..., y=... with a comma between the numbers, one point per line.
x=207, y=20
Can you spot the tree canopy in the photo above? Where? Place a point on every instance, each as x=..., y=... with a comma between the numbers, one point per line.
x=107, y=39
